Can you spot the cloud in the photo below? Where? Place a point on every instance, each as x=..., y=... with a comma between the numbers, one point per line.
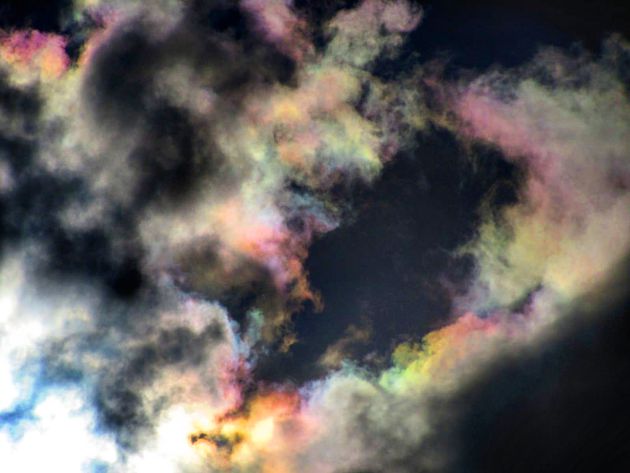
x=159, y=195
x=339, y=351
x=175, y=160
x=173, y=141
x=72, y=360
x=564, y=121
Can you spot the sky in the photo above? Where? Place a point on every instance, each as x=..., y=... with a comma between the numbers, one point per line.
x=275, y=236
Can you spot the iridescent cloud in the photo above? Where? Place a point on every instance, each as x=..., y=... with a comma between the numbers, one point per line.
x=196, y=164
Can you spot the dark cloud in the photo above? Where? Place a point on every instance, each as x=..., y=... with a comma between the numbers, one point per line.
x=215, y=39
x=34, y=197
x=171, y=154
x=120, y=390
x=554, y=406
x=128, y=213
x=558, y=407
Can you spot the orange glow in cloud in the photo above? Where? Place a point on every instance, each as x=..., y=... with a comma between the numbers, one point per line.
x=262, y=433
x=34, y=53
x=263, y=237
